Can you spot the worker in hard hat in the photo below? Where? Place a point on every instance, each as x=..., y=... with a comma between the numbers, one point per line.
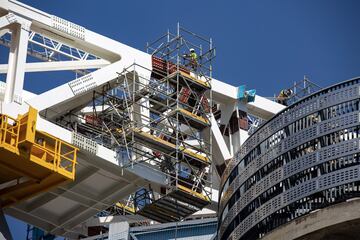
x=193, y=59
x=284, y=96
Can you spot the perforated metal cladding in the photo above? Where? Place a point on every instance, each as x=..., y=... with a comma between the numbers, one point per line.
x=323, y=155
x=333, y=179
x=322, y=128
x=328, y=126
x=68, y=27
x=304, y=189
x=244, y=225
x=341, y=135
x=348, y=120
x=249, y=171
x=270, y=180
x=84, y=143
x=310, y=160
x=326, y=98
x=82, y=84
x=344, y=176
x=338, y=150
x=340, y=95
x=300, y=137
x=301, y=191
x=229, y=192
x=255, y=217
x=299, y=164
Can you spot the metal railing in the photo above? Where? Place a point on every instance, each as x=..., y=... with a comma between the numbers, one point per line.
x=49, y=151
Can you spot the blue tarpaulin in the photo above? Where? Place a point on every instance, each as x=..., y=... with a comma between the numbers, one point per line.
x=247, y=96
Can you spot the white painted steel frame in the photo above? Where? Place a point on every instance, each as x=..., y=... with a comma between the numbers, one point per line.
x=74, y=203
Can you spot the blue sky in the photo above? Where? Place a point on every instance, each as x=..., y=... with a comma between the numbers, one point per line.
x=266, y=45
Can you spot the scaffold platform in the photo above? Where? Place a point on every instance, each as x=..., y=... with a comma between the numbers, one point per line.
x=189, y=118
x=178, y=204
x=157, y=143
x=159, y=118
x=185, y=79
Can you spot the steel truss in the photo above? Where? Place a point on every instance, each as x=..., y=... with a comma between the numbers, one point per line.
x=48, y=50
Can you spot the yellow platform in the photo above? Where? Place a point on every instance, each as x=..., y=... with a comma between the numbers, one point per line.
x=195, y=194
x=191, y=119
x=31, y=161
x=180, y=203
x=159, y=144
x=129, y=209
x=197, y=82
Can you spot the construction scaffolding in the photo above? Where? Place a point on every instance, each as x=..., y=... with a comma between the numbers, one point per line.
x=299, y=90
x=302, y=88
x=157, y=118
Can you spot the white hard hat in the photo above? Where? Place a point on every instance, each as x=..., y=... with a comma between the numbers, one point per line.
x=192, y=50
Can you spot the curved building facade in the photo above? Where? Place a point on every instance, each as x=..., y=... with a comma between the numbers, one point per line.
x=305, y=158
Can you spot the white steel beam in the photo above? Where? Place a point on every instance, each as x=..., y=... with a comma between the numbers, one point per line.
x=17, y=56
x=264, y=108
x=221, y=149
x=60, y=66
x=16, y=70
x=70, y=33
x=223, y=92
x=3, y=32
x=79, y=91
x=5, y=20
x=86, y=203
x=261, y=107
x=49, y=50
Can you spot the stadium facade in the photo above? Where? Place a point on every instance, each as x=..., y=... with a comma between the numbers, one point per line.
x=304, y=159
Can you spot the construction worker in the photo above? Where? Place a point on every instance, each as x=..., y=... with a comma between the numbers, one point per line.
x=283, y=96
x=193, y=59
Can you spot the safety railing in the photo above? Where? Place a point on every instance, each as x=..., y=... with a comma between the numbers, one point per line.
x=42, y=148
x=9, y=132
x=59, y=154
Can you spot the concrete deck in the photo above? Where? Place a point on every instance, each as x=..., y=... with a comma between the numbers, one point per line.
x=337, y=222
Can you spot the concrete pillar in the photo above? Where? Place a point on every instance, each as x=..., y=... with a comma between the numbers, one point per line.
x=119, y=231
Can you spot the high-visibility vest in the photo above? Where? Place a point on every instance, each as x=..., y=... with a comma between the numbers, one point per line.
x=193, y=56
x=283, y=94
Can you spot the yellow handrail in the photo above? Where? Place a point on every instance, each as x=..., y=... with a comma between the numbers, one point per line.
x=9, y=131
x=44, y=147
